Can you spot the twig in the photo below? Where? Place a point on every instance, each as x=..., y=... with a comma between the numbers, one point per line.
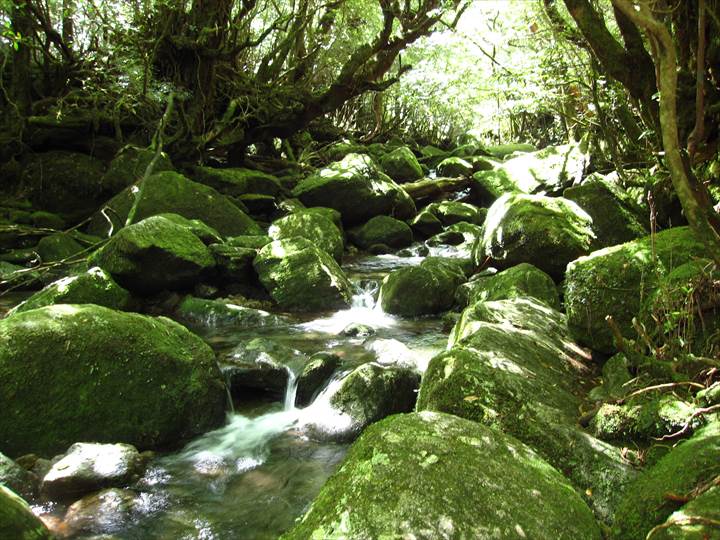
x=660, y=387
x=686, y=427
x=687, y=520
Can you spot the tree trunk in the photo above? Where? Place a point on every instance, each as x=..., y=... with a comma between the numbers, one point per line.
x=21, y=82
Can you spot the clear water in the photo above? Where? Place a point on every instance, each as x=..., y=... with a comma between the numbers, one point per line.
x=253, y=477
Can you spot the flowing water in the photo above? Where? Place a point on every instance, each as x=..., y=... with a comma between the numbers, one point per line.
x=255, y=475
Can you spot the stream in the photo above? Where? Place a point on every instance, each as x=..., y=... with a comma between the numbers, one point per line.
x=253, y=477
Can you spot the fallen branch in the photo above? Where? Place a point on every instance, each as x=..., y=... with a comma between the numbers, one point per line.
x=686, y=427
x=435, y=188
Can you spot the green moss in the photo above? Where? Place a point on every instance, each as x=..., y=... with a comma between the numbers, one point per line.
x=154, y=255
x=17, y=522
x=207, y=234
x=454, y=167
x=615, y=281
x=238, y=181
x=92, y=287
x=83, y=372
x=312, y=226
x=697, y=520
x=357, y=189
x=543, y=231
x=299, y=276
x=689, y=464
x=129, y=166
x=57, y=247
x=401, y=165
x=213, y=313
x=382, y=230
x=433, y=475
x=451, y=212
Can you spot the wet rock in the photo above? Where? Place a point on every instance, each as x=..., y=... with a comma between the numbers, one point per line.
x=513, y=366
x=219, y=313
x=454, y=167
x=17, y=520
x=517, y=281
x=401, y=165
x=314, y=375
x=432, y=475
x=130, y=165
x=299, y=276
x=86, y=372
x=17, y=478
x=450, y=212
x=545, y=232
x=154, y=255
x=614, y=219
x=313, y=226
x=421, y=290
x=358, y=330
x=47, y=220
x=391, y=352
x=369, y=393
x=260, y=366
x=446, y=238
x=614, y=281
x=106, y=512
x=382, y=230
x=426, y=224
x=357, y=189
x=88, y=467
x=66, y=183
x=95, y=286
x=238, y=181
x=57, y=247
x=690, y=464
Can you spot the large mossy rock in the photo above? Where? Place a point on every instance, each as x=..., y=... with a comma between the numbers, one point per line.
x=517, y=281
x=67, y=183
x=401, y=165
x=238, y=181
x=382, y=230
x=357, y=189
x=95, y=286
x=171, y=192
x=83, y=372
x=691, y=464
x=548, y=170
x=513, y=366
x=454, y=167
x=451, y=212
x=130, y=164
x=301, y=277
x=543, y=231
x=369, y=393
x=57, y=247
x=17, y=522
x=313, y=226
x=432, y=475
x=154, y=255
x=203, y=313
x=697, y=520
x=615, y=280
x=421, y=290
x=615, y=219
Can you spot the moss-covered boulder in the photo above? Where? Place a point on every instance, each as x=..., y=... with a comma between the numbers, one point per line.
x=204, y=232
x=67, y=183
x=501, y=151
x=84, y=372
x=517, y=281
x=421, y=290
x=432, y=475
x=301, y=277
x=238, y=181
x=153, y=255
x=57, y=247
x=691, y=464
x=17, y=478
x=545, y=232
x=314, y=375
x=513, y=366
x=95, y=286
x=17, y=522
x=313, y=226
x=454, y=167
x=234, y=264
x=401, y=165
x=451, y=212
x=615, y=280
x=382, y=230
x=615, y=219
x=369, y=393
x=249, y=241
x=202, y=313
x=426, y=224
x=697, y=520
x=130, y=164
x=170, y=192
x=357, y=188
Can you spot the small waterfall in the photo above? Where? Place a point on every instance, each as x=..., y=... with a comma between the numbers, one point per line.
x=365, y=294
x=290, y=391
x=226, y=381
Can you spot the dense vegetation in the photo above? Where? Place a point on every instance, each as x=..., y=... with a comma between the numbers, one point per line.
x=495, y=223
